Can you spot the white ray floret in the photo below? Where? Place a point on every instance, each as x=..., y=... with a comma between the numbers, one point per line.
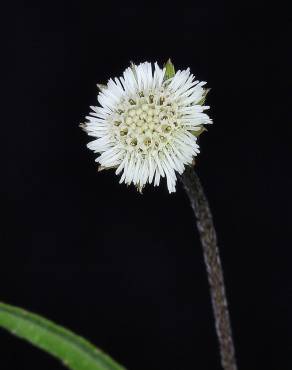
x=146, y=124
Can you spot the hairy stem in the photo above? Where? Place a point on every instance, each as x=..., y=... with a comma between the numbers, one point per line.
x=208, y=238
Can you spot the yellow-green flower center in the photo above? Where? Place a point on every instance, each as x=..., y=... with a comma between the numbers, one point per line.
x=145, y=124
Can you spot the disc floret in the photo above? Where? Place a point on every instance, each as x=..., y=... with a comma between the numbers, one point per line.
x=145, y=124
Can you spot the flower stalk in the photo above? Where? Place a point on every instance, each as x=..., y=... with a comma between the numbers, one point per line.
x=200, y=206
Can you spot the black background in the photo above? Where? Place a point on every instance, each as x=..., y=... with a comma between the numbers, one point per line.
x=125, y=270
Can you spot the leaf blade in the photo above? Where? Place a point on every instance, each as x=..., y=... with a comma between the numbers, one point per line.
x=74, y=351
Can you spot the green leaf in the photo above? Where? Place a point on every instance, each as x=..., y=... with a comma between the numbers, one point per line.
x=74, y=351
x=169, y=69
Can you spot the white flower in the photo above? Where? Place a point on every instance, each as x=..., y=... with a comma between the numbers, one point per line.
x=146, y=124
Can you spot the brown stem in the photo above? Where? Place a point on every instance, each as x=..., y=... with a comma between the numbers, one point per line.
x=208, y=238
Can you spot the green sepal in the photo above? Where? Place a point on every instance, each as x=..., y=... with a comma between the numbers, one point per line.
x=101, y=87
x=202, y=101
x=199, y=132
x=169, y=69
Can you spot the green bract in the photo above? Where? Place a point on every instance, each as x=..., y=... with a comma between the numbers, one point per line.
x=169, y=69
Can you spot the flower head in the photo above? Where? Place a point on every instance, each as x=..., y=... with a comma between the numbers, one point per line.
x=147, y=124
